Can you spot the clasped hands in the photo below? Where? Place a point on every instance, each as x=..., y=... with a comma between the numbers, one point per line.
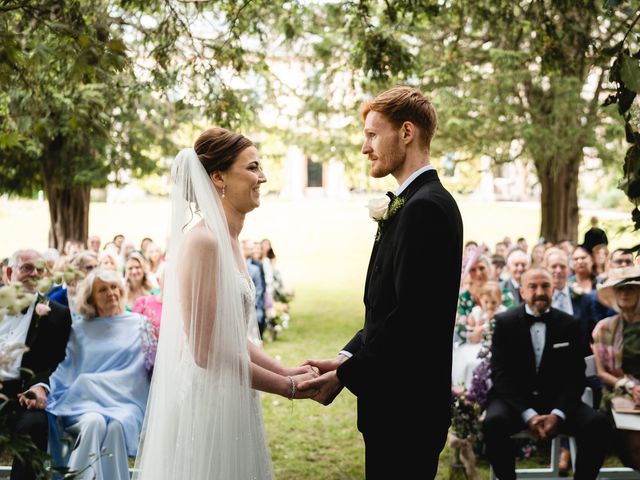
x=325, y=386
x=317, y=379
x=33, y=399
x=544, y=427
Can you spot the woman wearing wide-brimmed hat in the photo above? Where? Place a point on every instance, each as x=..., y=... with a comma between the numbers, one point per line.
x=617, y=350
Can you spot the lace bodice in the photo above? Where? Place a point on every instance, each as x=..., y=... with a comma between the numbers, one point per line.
x=248, y=292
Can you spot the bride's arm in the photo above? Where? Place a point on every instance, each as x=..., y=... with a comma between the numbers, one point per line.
x=197, y=276
x=286, y=386
x=264, y=360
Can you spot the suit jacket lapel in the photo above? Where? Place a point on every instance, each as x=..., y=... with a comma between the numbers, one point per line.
x=32, y=333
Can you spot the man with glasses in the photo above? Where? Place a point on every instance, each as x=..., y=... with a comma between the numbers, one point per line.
x=44, y=328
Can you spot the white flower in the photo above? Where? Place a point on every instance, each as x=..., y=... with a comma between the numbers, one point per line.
x=378, y=208
x=42, y=309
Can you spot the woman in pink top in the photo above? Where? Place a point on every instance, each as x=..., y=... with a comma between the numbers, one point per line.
x=151, y=307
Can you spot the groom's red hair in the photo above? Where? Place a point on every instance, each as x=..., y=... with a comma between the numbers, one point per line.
x=405, y=104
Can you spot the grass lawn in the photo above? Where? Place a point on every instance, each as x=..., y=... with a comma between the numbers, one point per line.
x=323, y=248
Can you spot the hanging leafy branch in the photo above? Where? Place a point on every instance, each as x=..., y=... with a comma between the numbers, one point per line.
x=625, y=73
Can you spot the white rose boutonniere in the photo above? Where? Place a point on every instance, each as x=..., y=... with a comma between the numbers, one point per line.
x=383, y=209
x=576, y=290
x=379, y=208
x=43, y=309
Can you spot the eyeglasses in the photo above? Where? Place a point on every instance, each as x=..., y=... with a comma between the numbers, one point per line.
x=88, y=268
x=28, y=268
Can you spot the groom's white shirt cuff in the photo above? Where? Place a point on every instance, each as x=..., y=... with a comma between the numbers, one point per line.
x=345, y=353
x=412, y=177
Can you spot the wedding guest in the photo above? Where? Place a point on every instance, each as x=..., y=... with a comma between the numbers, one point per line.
x=155, y=257
x=617, y=351
x=136, y=277
x=93, y=244
x=4, y=265
x=144, y=244
x=501, y=249
x=497, y=268
x=117, y=240
x=537, y=255
x=44, y=329
x=538, y=386
x=619, y=258
x=582, y=266
x=579, y=304
x=108, y=260
x=594, y=236
x=470, y=297
x=51, y=256
x=257, y=275
x=84, y=261
x=517, y=263
x=99, y=392
x=600, y=255
x=478, y=323
x=568, y=246
x=126, y=249
x=150, y=307
x=522, y=244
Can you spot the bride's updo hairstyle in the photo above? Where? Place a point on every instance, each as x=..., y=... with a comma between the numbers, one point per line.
x=218, y=148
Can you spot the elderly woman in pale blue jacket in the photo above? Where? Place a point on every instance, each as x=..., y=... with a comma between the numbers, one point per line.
x=99, y=392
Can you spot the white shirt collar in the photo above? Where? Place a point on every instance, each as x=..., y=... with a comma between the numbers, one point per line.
x=412, y=177
x=530, y=312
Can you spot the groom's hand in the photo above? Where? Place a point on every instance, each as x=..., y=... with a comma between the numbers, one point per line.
x=328, y=365
x=292, y=371
x=328, y=386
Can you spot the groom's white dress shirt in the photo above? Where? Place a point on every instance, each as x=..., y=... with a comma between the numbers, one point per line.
x=398, y=191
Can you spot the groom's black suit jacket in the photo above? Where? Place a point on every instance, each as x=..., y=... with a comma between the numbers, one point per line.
x=410, y=299
x=560, y=380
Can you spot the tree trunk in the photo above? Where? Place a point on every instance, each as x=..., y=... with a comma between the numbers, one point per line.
x=559, y=199
x=69, y=214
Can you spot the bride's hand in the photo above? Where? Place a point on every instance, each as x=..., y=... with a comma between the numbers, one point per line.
x=309, y=393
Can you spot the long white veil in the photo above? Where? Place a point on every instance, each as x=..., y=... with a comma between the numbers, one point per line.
x=203, y=420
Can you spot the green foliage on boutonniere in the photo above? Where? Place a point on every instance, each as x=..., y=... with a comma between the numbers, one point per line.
x=392, y=209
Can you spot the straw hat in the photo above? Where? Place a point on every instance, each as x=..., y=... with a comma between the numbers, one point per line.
x=617, y=277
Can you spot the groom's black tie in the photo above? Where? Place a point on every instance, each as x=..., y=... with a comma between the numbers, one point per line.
x=391, y=196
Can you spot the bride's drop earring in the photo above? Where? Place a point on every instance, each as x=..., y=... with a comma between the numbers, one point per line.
x=222, y=191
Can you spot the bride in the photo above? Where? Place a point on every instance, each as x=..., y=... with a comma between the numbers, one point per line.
x=203, y=419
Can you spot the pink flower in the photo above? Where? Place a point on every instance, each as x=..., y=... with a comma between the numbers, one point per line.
x=42, y=309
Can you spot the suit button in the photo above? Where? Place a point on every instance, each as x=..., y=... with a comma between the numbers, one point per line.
x=376, y=268
x=535, y=393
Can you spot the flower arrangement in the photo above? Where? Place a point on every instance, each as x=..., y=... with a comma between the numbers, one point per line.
x=465, y=429
x=278, y=315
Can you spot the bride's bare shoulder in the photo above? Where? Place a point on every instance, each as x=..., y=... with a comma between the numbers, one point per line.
x=199, y=240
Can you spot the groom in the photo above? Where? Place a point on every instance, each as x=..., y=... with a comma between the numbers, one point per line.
x=410, y=299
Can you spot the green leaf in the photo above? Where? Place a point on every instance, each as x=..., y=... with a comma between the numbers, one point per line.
x=117, y=46
x=630, y=73
x=10, y=139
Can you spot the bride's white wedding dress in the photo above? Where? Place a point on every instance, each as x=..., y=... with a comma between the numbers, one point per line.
x=203, y=420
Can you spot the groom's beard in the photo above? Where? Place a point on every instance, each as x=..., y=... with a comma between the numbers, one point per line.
x=389, y=162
